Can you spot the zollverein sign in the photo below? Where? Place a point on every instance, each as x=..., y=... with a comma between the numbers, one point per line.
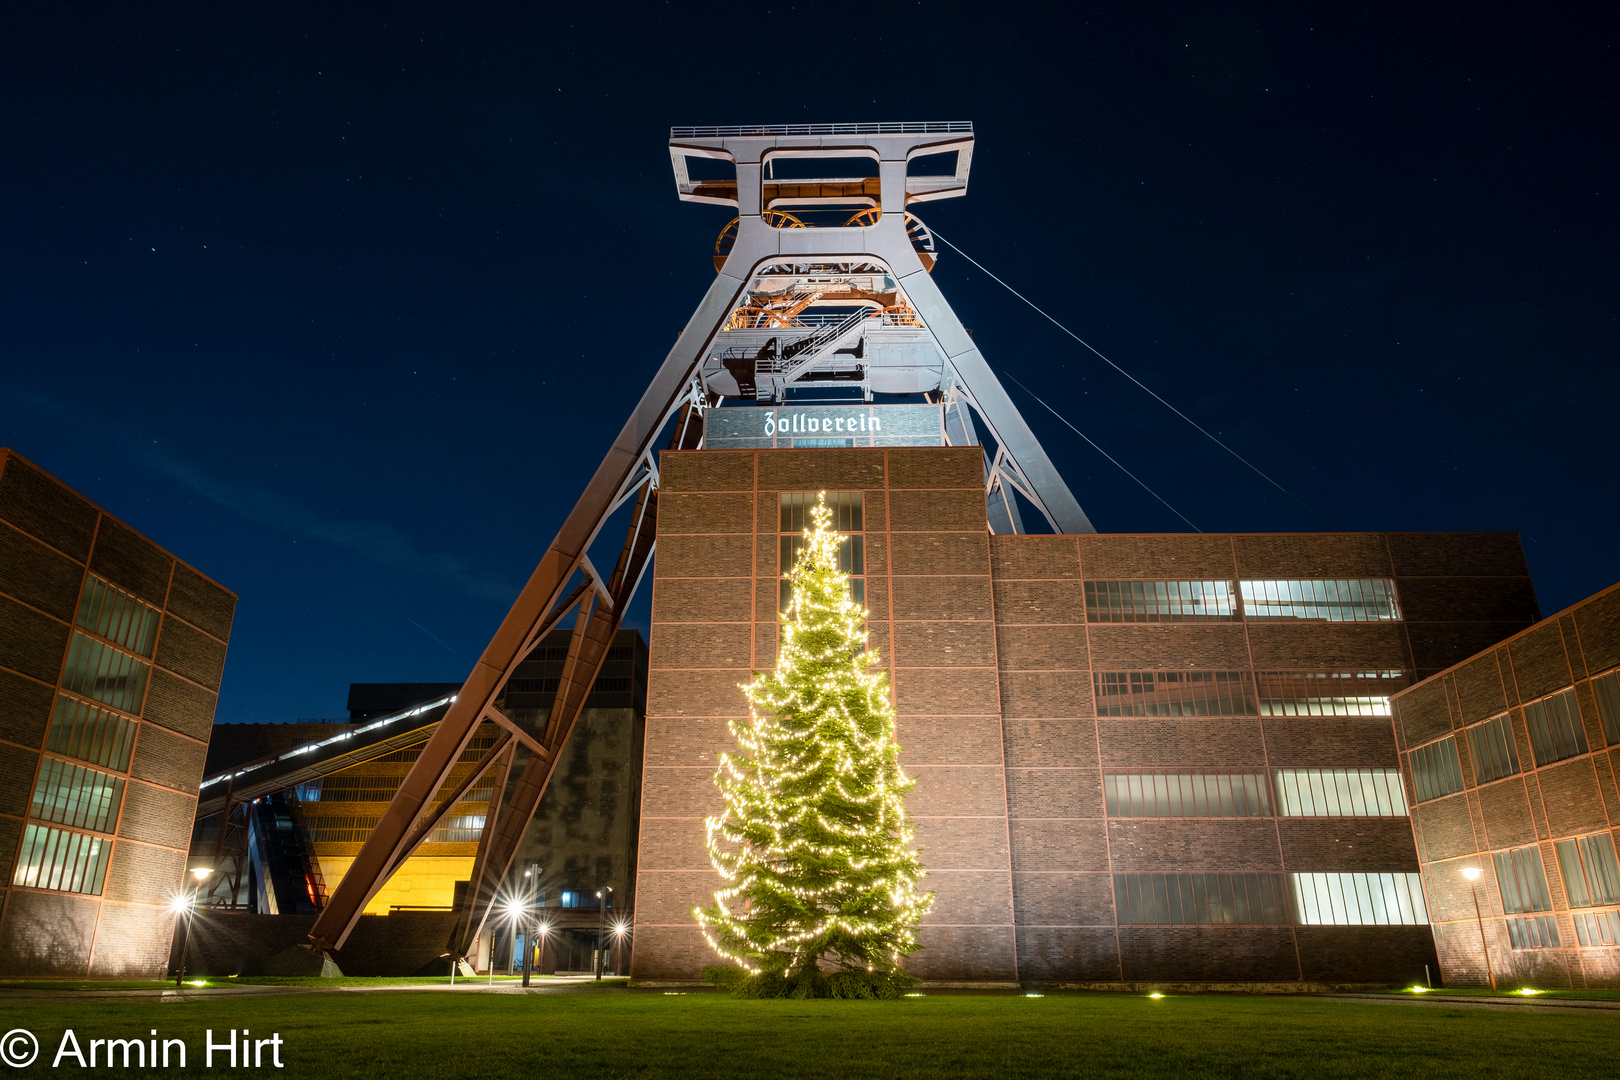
x=765, y=428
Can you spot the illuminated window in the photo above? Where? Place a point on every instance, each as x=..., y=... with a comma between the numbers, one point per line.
x=1159, y=601
x=1184, y=795
x=80, y=730
x=73, y=795
x=1522, y=880
x=1591, y=877
x=847, y=519
x=1335, y=600
x=1332, y=693
x=461, y=829
x=1555, y=728
x=1594, y=928
x=1436, y=770
x=61, y=860
x=1491, y=746
x=101, y=672
x=1359, y=899
x=1199, y=899
x=112, y=613
x=1339, y=792
x=1607, y=691
x=1536, y=932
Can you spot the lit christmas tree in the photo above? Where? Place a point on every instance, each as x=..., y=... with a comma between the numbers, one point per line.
x=813, y=843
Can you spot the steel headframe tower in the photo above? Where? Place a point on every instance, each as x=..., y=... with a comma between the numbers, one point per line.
x=822, y=281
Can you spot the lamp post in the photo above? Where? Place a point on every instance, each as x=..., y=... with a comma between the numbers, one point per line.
x=186, y=907
x=1472, y=873
x=620, y=929
x=601, y=923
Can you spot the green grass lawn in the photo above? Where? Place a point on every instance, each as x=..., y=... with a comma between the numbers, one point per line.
x=657, y=1036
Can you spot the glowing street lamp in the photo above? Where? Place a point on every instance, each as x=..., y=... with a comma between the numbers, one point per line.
x=185, y=906
x=1472, y=873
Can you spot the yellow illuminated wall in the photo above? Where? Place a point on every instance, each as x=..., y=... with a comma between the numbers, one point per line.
x=424, y=881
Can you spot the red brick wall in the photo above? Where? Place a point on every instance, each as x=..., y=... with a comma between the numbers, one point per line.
x=1572, y=797
x=991, y=658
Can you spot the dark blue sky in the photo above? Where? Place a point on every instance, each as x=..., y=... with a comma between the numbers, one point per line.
x=344, y=308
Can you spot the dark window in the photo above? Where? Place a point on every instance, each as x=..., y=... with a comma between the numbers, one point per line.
x=1537, y=932
x=1199, y=899
x=1436, y=770
x=101, y=672
x=80, y=730
x=1491, y=745
x=1173, y=693
x=1156, y=795
x=1555, y=728
x=796, y=507
x=1522, y=879
x=1160, y=601
x=112, y=613
x=1591, y=877
x=1607, y=691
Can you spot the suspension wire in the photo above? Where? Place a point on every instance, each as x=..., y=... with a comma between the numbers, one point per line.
x=1103, y=452
x=1128, y=375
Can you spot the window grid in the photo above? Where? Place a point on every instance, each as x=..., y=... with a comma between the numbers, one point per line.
x=61, y=860
x=103, y=673
x=1359, y=899
x=1594, y=928
x=1185, y=795
x=1333, y=693
x=1591, y=877
x=1607, y=691
x=1334, y=600
x=1555, y=728
x=1491, y=746
x=108, y=611
x=462, y=829
x=1435, y=769
x=1536, y=932
x=794, y=517
x=1339, y=793
x=1160, y=601
x=76, y=796
x=83, y=731
x=1173, y=693
x=1200, y=899
x=1522, y=880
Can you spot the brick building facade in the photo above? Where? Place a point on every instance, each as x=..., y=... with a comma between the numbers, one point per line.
x=1512, y=756
x=111, y=652
x=1137, y=757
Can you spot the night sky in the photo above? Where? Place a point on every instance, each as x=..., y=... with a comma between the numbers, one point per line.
x=345, y=308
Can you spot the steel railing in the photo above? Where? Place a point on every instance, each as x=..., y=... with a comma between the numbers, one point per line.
x=923, y=127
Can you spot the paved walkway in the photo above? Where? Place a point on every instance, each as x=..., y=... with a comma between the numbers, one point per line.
x=551, y=985
x=1500, y=1004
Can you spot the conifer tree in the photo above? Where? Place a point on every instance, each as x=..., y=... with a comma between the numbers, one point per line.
x=814, y=844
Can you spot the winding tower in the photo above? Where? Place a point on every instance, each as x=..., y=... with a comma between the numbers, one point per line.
x=822, y=327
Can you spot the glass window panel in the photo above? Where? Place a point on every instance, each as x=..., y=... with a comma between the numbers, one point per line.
x=98, y=671
x=1491, y=746
x=81, y=730
x=112, y=613
x=1166, y=795
x=1522, y=880
x=1345, y=693
x=1159, y=601
x=1436, y=770
x=1555, y=728
x=52, y=858
x=1596, y=928
x=1174, y=693
x=1338, y=792
x=1359, y=600
x=1607, y=692
x=1358, y=899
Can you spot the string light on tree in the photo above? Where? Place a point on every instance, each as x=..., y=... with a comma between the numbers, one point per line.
x=814, y=844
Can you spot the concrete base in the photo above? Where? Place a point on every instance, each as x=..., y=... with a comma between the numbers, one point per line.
x=301, y=961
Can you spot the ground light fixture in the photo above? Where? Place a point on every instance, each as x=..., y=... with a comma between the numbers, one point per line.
x=1155, y=994
x=1527, y=992
x=1473, y=873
